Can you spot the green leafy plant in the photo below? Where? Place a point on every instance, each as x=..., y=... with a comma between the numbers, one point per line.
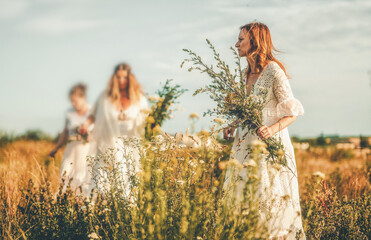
x=160, y=110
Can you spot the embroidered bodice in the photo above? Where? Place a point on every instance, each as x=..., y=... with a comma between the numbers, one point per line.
x=280, y=100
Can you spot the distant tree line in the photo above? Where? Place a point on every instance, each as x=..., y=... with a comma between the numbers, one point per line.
x=323, y=140
x=39, y=135
x=32, y=135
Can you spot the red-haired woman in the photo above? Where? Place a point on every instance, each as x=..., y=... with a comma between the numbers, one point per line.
x=278, y=189
x=117, y=113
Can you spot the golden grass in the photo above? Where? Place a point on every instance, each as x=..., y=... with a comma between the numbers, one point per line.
x=349, y=176
x=24, y=160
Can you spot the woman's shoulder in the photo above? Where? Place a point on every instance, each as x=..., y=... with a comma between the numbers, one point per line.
x=102, y=97
x=273, y=65
x=276, y=70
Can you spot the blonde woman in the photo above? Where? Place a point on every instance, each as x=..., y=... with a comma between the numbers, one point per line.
x=117, y=113
x=278, y=190
x=74, y=165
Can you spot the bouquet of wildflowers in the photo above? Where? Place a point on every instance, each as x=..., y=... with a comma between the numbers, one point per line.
x=79, y=135
x=228, y=90
x=160, y=110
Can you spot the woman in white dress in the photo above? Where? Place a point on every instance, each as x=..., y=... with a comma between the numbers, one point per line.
x=264, y=71
x=117, y=114
x=74, y=165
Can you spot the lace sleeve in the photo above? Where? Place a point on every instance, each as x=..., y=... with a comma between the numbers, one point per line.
x=287, y=105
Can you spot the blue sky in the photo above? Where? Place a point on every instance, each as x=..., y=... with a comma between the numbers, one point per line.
x=47, y=46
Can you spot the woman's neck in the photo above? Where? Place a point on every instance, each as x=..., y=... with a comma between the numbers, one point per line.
x=124, y=93
x=252, y=66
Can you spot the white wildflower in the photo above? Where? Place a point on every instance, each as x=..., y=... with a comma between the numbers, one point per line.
x=319, y=174
x=93, y=235
x=106, y=210
x=180, y=182
x=83, y=208
x=250, y=163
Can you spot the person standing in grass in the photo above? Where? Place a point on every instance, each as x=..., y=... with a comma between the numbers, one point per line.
x=117, y=113
x=278, y=190
x=74, y=166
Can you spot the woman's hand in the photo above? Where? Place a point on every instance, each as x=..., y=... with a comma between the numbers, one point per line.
x=83, y=128
x=228, y=133
x=62, y=140
x=53, y=152
x=265, y=132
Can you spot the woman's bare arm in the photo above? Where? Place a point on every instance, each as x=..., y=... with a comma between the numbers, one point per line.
x=282, y=123
x=62, y=140
x=266, y=132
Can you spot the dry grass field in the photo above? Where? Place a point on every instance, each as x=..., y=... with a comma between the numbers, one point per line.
x=25, y=160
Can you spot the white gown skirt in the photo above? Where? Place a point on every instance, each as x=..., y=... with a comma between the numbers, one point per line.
x=115, y=168
x=74, y=166
x=278, y=191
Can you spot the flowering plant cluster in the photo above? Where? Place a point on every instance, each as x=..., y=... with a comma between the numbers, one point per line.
x=160, y=110
x=228, y=90
x=79, y=135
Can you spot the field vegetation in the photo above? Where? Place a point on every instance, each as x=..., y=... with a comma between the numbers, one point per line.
x=178, y=195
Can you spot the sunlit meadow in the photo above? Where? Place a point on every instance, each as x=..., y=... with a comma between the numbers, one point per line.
x=178, y=195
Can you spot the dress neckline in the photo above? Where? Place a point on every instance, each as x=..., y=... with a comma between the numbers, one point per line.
x=260, y=75
x=83, y=115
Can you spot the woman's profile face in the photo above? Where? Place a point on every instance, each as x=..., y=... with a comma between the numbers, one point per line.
x=243, y=43
x=122, y=79
x=78, y=102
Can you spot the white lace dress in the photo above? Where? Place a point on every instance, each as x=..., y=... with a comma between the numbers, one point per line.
x=74, y=165
x=278, y=189
x=109, y=129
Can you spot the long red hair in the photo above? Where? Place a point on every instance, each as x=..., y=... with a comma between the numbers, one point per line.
x=261, y=46
x=134, y=89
